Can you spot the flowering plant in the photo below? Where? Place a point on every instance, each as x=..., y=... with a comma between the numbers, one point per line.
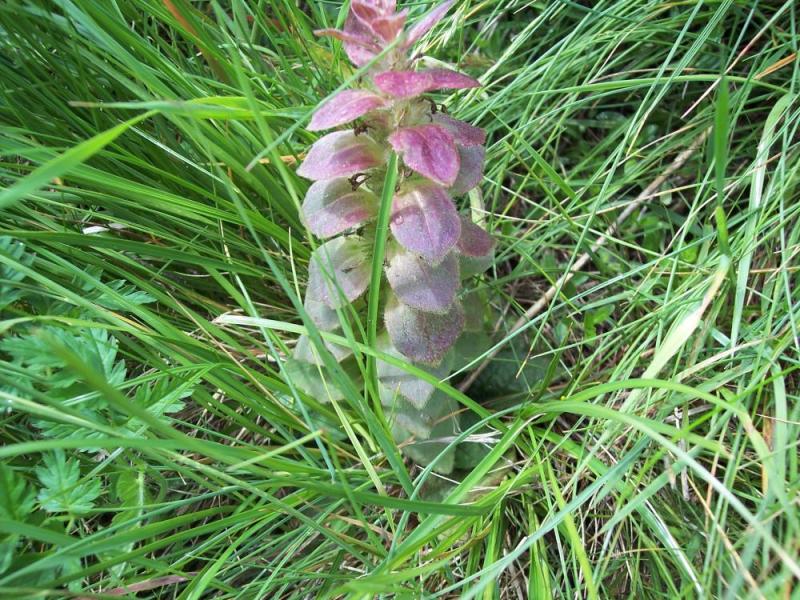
x=431, y=248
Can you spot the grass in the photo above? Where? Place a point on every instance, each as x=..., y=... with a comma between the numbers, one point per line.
x=648, y=447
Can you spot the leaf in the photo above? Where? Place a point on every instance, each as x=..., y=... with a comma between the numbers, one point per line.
x=470, y=173
x=10, y=276
x=95, y=347
x=357, y=38
x=388, y=27
x=380, y=19
x=344, y=107
x=130, y=294
x=463, y=133
x=340, y=154
x=332, y=206
x=476, y=248
x=321, y=314
x=16, y=499
x=425, y=438
x=427, y=22
x=61, y=491
x=304, y=350
x=421, y=336
x=397, y=381
x=338, y=272
x=306, y=377
x=429, y=150
x=409, y=84
x=424, y=220
x=420, y=285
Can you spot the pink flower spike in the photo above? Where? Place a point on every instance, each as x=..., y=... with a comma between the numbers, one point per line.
x=408, y=84
x=427, y=22
x=463, y=133
x=470, y=173
x=340, y=154
x=332, y=206
x=429, y=150
x=424, y=221
x=343, y=108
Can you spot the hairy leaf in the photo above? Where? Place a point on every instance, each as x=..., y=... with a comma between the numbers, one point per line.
x=323, y=316
x=476, y=248
x=331, y=206
x=424, y=220
x=423, y=286
x=395, y=380
x=344, y=107
x=338, y=272
x=429, y=150
x=425, y=437
x=422, y=336
x=463, y=133
x=470, y=173
x=340, y=154
x=409, y=84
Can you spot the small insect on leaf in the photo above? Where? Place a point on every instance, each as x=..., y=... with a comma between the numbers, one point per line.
x=429, y=150
x=332, y=206
x=422, y=336
x=338, y=272
x=424, y=220
x=340, y=154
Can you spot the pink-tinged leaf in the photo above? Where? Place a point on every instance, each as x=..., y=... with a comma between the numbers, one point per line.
x=395, y=380
x=408, y=84
x=474, y=241
x=423, y=286
x=358, y=40
x=463, y=133
x=331, y=206
x=344, y=107
x=470, y=173
x=476, y=248
x=341, y=154
x=338, y=272
x=422, y=336
x=427, y=22
x=359, y=52
x=429, y=150
x=424, y=220
x=390, y=26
